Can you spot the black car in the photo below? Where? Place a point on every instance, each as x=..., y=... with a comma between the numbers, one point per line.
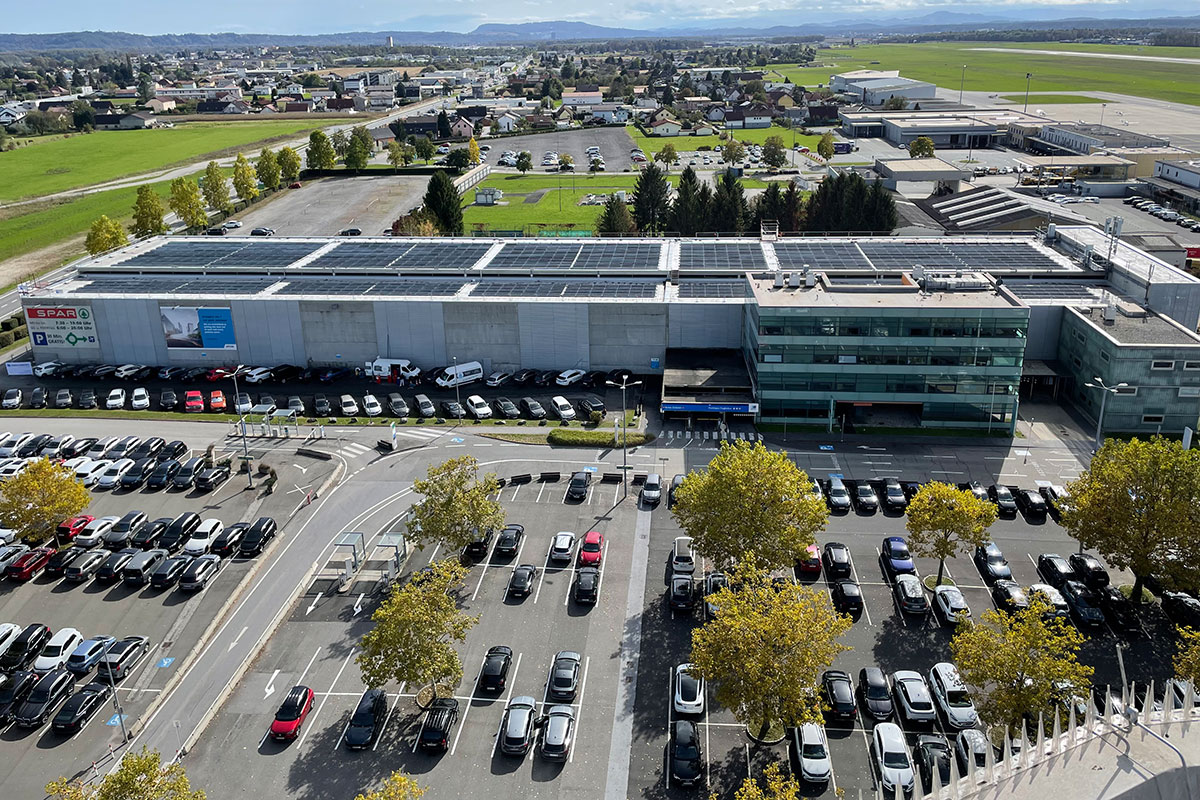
x=119, y=535
x=173, y=449
x=1084, y=603
x=478, y=548
x=564, y=676
x=687, y=758
x=619, y=375
x=587, y=586
x=1031, y=504
x=110, y=570
x=138, y=473
x=545, y=377
x=25, y=648
x=524, y=376
x=494, y=675
x=194, y=374
x=34, y=445
x=147, y=538
x=1182, y=609
x=37, y=398
x=54, y=687
x=185, y=478
x=1002, y=496
x=594, y=378
x=87, y=398
x=150, y=448
x=532, y=408
x=163, y=474
x=683, y=593
x=199, y=571
x=285, y=372
x=838, y=694
x=590, y=404
x=258, y=536
x=520, y=583
x=676, y=482
x=179, y=531
x=331, y=375
x=63, y=398
x=1009, y=596
x=506, y=408
x=78, y=447
x=1055, y=569
x=367, y=722
x=578, y=487
x=509, y=540
x=847, y=597
x=976, y=488
x=396, y=405
x=81, y=707
x=212, y=478
x=1089, y=570
x=168, y=572
x=439, y=721
x=991, y=563
x=452, y=410
x=20, y=683
x=874, y=694
x=837, y=560
x=321, y=405
x=1118, y=610
x=865, y=499
x=933, y=753
x=61, y=559
x=227, y=541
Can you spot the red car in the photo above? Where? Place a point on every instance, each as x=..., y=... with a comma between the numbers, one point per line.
x=217, y=373
x=810, y=562
x=216, y=401
x=291, y=714
x=592, y=549
x=30, y=565
x=68, y=529
x=193, y=402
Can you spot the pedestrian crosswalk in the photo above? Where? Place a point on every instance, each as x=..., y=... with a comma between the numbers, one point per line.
x=404, y=437
x=709, y=438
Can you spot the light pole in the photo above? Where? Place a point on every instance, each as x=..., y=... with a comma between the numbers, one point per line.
x=1096, y=383
x=1028, y=78
x=962, y=79
x=623, y=385
x=457, y=399
x=242, y=425
x=1102, y=107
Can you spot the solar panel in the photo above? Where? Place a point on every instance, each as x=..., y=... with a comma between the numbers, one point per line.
x=415, y=288
x=536, y=255
x=564, y=289
x=741, y=256
x=457, y=255
x=713, y=289
x=601, y=257
x=1053, y=291
x=906, y=255
x=820, y=255
x=361, y=255
x=623, y=289
x=228, y=254
x=118, y=284
x=519, y=289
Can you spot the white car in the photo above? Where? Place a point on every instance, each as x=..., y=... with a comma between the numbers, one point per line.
x=242, y=403
x=689, y=691
x=12, y=442
x=46, y=368
x=56, y=445
x=890, y=757
x=111, y=477
x=347, y=405
x=812, y=750
x=202, y=538
x=258, y=375
x=371, y=406
x=140, y=400
x=562, y=408
x=562, y=547
x=478, y=408
x=126, y=370
x=116, y=399
x=12, y=399
x=569, y=377
x=7, y=536
x=94, y=531
x=90, y=472
x=57, y=650
x=912, y=696
x=8, y=632
x=230, y=224
x=950, y=604
x=75, y=463
x=10, y=553
x=13, y=468
x=952, y=697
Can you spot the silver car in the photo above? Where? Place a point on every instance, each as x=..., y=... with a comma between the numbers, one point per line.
x=951, y=696
x=562, y=548
x=516, y=731
x=557, y=733
x=909, y=689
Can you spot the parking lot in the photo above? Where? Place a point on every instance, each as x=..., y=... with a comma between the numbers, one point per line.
x=614, y=144
x=326, y=206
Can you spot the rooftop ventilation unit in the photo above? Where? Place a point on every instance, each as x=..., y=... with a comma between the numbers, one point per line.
x=794, y=280
x=780, y=278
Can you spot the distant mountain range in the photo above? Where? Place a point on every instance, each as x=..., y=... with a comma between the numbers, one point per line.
x=1087, y=16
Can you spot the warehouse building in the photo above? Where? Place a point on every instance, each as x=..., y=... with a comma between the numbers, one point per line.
x=933, y=332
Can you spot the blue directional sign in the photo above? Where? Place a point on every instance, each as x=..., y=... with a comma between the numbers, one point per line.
x=589, y=469
x=456, y=439
x=837, y=475
x=114, y=721
x=825, y=447
x=165, y=662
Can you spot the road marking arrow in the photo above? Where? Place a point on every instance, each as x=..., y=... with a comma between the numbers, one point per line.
x=358, y=603
x=237, y=638
x=271, y=685
x=316, y=600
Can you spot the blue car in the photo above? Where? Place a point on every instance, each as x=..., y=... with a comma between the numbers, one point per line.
x=895, y=556
x=89, y=651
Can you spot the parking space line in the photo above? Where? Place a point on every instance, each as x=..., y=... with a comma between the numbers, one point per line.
x=462, y=721
x=387, y=719
x=579, y=713
x=325, y=699
x=310, y=663
x=541, y=489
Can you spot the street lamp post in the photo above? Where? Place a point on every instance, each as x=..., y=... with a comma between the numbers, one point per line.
x=962, y=79
x=623, y=385
x=457, y=399
x=242, y=425
x=1096, y=383
x=1028, y=78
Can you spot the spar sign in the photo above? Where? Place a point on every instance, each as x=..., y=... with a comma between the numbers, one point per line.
x=61, y=326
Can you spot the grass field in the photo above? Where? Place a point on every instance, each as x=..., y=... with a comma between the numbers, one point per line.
x=56, y=164
x=652, y=144
x=1047, y=99
x=942, y=62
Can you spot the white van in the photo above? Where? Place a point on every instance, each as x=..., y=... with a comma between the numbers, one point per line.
x=387, y=367
x=460, y=375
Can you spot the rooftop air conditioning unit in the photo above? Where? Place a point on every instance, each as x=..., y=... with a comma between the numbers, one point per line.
x=810, y=280
x=794, y=280
x=1110, y=314
x=781, y=279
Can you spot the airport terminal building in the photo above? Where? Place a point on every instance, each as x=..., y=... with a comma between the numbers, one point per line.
x=936, y=332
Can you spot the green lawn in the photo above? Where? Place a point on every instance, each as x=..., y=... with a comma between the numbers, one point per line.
x=1046, y=99
x=56, y=164
x=942, y=62
x=652, y=144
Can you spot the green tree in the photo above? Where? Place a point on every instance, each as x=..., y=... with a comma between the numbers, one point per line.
x=1018, y=664
x=443, y=125
x=187, y=203
x=594, y=165
x=148, y=213
x=688, y=213
x=320, y=154
x=825, y=146
x=358, y=151
x=524, y=161
x=105, y=234
x=566, y=161
x=651, y=200
x=765, y=647
x=396, y=786
x=289, y=164
x=943, y=520
x=424, y=148
x=339, y=143
x=778, y=786
x=245, y=182
x=769, y=204
x=774, y=154
x=615, y=217
x=897, y=102
x=750, y=500
x=145, y=88
x=473, y=151
x=267, y=169
x=1187, y=656
x=82, y=115
x=458, y=158
x=1136, y=505
x=400, y=154
x=216, y=190
x=793, y=210
x=455, y=505
x=138, y=776
x=415, y=630
x=921, y=147
x=666, y=156
x=880, y=214
x=733, y=151
x=729, y=209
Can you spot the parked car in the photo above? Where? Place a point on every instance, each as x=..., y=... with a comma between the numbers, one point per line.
x=890, y=761
x=439, y=722
x=896, y=558
x=517, y=728
x=991, y=563
x=686, y=754
x=912, y=697
x=292, y=712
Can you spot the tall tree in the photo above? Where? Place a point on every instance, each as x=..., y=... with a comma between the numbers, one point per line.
x=400, y=154
x=289, y=164
x=216, y=190
x=687, y=217
x=1187, y=656
x=769, y=205
x=774, y=153
x=793, y=210
x=651, y=200
x=854, y=201
x=396, y=786
x=615, y=218
x=473, y=151
x=443, y=204
x=339, y=143
x=666, y=156
x=105, y=234
x=825, y=146
x=358, y=151
x=880, y=214
x=458, y=158
x=267, y=169
x=415, y=630
x=424, y=148
x=187, y=203
x=245, y=182
x=943, y=520
x=750, y=502
x=1018, y=664
x=82, y=115
x=524, y=161
x=148, y=213
x=443, y=125
x=765, y=648
x=733, y=151
x=320, y=153
x=921, y=147
x=729, y=208
x=138, y=776
x=455, y=505
x=1136, y=504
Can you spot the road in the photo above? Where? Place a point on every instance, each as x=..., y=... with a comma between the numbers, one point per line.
x=1079, y=54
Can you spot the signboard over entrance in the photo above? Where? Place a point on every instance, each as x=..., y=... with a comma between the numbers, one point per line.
x=713, y=408
x=61, y=326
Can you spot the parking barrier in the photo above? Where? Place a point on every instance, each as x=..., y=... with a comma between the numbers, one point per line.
x=523, y=478
x=549, y=477
x=611, y=477
x=308, y=451
x=639, y=478
x=501, y=482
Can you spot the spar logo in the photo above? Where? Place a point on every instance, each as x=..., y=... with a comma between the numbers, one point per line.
x=59, y=313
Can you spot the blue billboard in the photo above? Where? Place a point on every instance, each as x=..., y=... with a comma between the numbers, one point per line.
x=711, y=408
x=200, y=328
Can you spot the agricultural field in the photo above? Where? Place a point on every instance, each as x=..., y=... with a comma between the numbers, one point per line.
x=987, y=71
x=56, y=164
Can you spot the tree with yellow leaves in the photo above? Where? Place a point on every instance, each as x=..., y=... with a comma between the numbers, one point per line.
x=778, y=786
x=943, y=520
x=397, y=786
x=43, y=495
x=139, y=776
x=473, y=151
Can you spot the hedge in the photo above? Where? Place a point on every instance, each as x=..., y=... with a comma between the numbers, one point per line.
x=574, y=437
x=6, y=338
x=8, y=324
x=20, y=332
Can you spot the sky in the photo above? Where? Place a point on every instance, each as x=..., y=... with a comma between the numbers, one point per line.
x=313, y=16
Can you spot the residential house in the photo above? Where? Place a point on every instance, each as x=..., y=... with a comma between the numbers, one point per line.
x=715, y=113
x=106, y=106
x=462, y=128
x=472, y=113
x=575, y=99
x=11, y=114
x=294, y=88
x=340, y=104
x=107, y=122
x=540, y=122
x=423, y=125
x=752, y=115
x=780, y=99
x=703, y=129
x=222, y=107
x=658, y=115
x=382, y=136
x=665, y=127
x=302, y=107
x=693, y=103
x=564, y=114
x=507, y=122
x=611, y=113
x=159, y=106
x=138, y=121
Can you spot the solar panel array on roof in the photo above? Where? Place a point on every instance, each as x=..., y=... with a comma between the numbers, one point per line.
x=1053, y=291
x=743, y=256
x=1005, y=255
x=361, y=255
x=619, y=256
x=446, y=255
x=166, y=286
x=713, y=289
x=541, y=288
x=229, y=254
x=820, y=255
x=896, y=255
x=536, y=255
x=364, y=287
